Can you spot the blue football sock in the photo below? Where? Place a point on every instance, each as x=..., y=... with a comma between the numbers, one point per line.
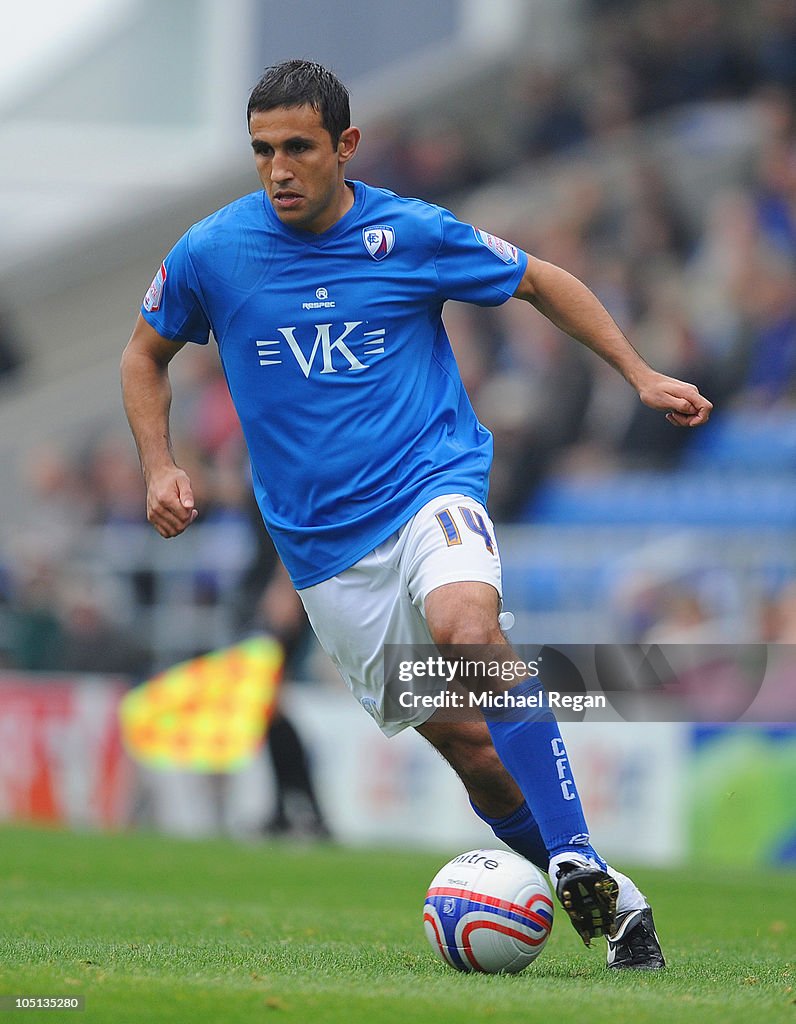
x=528, y=742
x=519, y=831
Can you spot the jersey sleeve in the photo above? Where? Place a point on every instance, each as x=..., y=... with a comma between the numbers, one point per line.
x=475, y=266
x=173, y=305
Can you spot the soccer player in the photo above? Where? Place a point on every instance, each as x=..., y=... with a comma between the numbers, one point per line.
x=370, y=468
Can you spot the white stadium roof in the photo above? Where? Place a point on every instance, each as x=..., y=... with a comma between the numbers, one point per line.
x=139, y=104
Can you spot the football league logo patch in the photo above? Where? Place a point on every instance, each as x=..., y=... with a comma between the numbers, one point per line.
x=379, y=240
x=502, y=249
x=155, y=292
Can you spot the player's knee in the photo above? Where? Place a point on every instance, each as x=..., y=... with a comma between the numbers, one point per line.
x=463, y=615
x=472, y=629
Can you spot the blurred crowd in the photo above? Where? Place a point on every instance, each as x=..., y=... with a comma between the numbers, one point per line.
x=634, y=59
x=707, y=296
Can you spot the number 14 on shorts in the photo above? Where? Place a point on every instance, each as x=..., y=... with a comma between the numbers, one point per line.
x=474, y=522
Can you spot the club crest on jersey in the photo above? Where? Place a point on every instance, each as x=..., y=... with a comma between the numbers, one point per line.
x=155, y=291
x=379, y=240
x=502, y=249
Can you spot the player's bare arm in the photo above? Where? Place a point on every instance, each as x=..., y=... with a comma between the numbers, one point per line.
x=146, y=390
x=569, y=304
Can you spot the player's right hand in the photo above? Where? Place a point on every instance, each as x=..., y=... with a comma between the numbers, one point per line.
x=169, y=502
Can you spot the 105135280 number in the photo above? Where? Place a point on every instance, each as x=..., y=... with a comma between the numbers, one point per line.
x=42, y=1002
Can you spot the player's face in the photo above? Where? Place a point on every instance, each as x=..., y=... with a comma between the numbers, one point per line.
x=300, y=169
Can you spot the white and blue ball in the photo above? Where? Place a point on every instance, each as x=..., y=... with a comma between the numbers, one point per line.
x=488, y=911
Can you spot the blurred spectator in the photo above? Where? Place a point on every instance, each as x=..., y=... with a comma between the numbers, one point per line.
x=59, y=501
x=267, y=602
x=554, y=117
x=90, y=641
x=113, y=480
x=776, y=195
x=34, y=632
x=297, y=811
x=535, y=406
x=438, y=160
x=655, y=232
x=206, y=417
x=772, y=362
x=717, y=279
x=665, y=336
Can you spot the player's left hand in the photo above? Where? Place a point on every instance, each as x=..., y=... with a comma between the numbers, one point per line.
x=683, y=404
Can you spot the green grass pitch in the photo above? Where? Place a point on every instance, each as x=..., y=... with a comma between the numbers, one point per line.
x=156, y=930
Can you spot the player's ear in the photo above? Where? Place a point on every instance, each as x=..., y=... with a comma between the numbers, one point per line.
x=349, y=141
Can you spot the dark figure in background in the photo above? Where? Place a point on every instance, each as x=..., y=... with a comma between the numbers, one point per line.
x=280, y=613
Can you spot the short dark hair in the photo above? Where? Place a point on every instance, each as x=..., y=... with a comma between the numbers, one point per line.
x=298, y=83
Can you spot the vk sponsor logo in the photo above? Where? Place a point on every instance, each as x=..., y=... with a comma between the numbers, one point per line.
x=334, y=347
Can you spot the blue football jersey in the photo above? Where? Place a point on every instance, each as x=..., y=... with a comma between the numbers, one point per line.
x=338, y=363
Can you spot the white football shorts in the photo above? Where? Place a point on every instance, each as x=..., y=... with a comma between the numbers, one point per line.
x=381, y=599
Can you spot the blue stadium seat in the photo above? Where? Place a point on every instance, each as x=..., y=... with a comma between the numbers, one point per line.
x=688, y=497
x=745, y=439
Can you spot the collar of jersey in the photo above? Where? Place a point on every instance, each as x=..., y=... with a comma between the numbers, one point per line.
x=310, y=237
